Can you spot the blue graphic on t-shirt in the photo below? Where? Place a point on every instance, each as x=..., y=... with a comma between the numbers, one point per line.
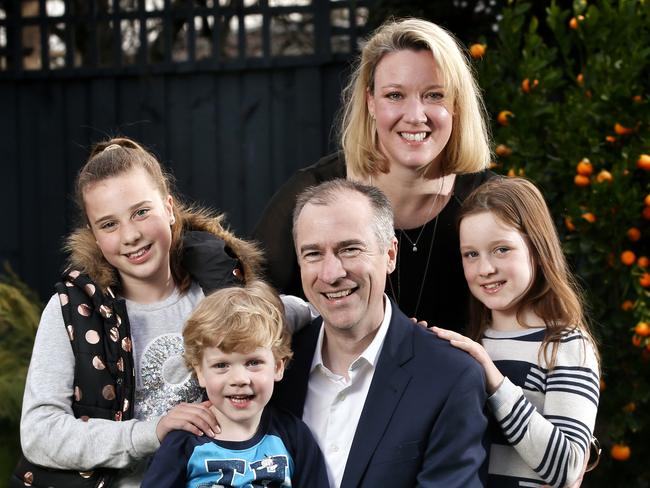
x=266, y=464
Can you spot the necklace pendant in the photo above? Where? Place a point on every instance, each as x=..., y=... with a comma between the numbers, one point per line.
x=415, y=248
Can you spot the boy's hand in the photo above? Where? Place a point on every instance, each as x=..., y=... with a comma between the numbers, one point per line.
x=196, y=418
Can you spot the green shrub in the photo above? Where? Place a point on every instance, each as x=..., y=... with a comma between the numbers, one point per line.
x=20, y=311
x=577, y=85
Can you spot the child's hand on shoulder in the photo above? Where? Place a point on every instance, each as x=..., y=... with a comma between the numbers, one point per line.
x=493, y=377
x=196, y=418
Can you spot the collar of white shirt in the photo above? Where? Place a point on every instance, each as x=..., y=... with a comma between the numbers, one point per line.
x=370, y=355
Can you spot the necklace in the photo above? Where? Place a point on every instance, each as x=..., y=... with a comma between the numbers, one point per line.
x=397, y=295
x=414, y=243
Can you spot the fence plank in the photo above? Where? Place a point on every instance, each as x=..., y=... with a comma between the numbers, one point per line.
x=231, y=141
x=10, y=238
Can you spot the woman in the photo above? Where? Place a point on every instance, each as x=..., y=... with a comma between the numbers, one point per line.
x=413, y=124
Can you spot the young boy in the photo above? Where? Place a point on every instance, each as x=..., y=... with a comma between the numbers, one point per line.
x=236, y=343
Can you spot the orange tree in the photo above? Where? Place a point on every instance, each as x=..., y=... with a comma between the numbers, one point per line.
x=569, y=96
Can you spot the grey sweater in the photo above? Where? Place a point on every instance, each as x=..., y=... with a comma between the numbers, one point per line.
x=50, y=434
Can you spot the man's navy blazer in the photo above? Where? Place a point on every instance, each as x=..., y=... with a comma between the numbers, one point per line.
x=423, y=421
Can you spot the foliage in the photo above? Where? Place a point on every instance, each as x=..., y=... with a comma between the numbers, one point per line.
x=20, y=310
x=577, y=84
x=464, y=19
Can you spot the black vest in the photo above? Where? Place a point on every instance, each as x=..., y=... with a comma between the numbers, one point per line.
x=100, y=336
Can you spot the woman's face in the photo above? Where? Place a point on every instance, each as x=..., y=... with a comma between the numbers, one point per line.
x=412, y=107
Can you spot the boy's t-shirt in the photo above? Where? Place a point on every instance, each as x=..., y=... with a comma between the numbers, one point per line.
x=283, y=453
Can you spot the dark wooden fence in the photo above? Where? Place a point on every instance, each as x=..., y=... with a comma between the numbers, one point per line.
x=232, y=130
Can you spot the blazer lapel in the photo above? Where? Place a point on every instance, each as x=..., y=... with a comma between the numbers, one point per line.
x=386, y=389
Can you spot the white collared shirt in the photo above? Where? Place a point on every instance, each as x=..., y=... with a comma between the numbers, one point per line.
x=334, y=403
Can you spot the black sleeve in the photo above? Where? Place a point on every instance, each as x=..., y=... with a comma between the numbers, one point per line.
x=210, y=262
x=310, y=470
x=168, y=469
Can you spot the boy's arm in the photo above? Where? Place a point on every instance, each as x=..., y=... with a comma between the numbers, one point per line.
x=310, y=469
x=168, y=469
x=309, y=464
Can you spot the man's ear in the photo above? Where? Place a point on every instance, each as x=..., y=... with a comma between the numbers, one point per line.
x=391, y=256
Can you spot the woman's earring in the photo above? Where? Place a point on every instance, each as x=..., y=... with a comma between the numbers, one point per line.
x=172, y=221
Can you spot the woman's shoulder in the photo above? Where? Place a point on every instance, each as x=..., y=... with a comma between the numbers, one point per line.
x=280, y=207
x=466, y=183
x=327, y=168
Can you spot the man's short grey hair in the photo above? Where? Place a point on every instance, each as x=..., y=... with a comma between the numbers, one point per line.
x=328, y=192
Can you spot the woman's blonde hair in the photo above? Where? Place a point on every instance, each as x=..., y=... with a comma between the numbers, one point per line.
x=237, y=319
x=115, y=157
x=468, y=149
x=554, y=295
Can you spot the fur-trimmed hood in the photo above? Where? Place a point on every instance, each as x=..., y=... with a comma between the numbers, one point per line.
x=84, y=254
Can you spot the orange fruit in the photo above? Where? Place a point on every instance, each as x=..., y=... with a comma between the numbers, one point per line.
x=610, y=139
x=477, y=51
x=637, y=98
x=633, y=234
x=642, y=329
x=643, y=262
x=643, y=162
x=580, y=79
x=581, y=180
x=620, y=452
x=503, y=117
x=526, y=85
x=646, y=200
x=573, y=23
x=644, y=280
x=589, y=217
x=627, y=305
x=628, y=258
x=630, y=407
x=621, y=130
x=568, y=222
x=604, y=176
x=511, y=172
x=584, y=167
x=646, y=212
x=636, y=341
x=503, y=151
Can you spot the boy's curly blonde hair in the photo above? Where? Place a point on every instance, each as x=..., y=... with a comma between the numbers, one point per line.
x=238, y=319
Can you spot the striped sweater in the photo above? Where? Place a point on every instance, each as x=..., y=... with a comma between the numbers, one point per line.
x=543, y=419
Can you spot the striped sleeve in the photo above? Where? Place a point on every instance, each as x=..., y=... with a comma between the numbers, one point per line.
x=553, y=442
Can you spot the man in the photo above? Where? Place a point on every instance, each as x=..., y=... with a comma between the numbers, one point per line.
x=389, y=403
